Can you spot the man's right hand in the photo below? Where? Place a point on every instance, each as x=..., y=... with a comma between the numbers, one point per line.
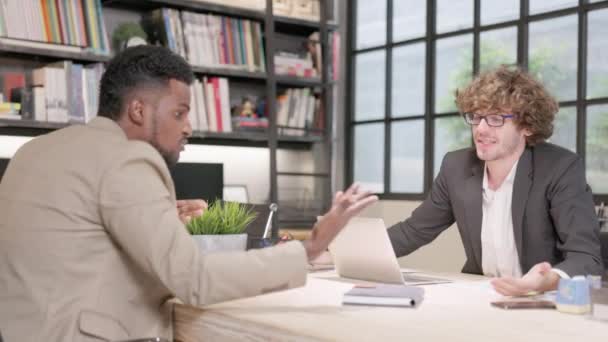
x=345, y=205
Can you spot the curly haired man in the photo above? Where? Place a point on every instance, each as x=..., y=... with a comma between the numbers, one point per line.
x=522, y=206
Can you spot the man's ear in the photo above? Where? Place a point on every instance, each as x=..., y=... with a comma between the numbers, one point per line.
x=527, y=132
x=135, y=112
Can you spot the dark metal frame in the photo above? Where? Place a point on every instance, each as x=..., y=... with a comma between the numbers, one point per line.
x=431, y=37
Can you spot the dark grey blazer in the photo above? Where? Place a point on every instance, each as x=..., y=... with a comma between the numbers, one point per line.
x=553, y=213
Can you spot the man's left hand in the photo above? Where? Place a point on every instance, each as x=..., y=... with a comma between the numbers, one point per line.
x=539, y=279
x=187, y=209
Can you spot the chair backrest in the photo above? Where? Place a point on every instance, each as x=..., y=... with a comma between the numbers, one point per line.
x=604, y=247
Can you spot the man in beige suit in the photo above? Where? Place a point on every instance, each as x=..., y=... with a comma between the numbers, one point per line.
x=91, y=244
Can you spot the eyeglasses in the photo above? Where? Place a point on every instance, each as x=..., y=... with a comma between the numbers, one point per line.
x=493, y=120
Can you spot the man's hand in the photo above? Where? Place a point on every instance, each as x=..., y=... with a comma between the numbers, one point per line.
x=345, y=205
x=187, y=209
x=539, y=279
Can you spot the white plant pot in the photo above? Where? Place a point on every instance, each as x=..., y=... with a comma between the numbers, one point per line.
x=221, y=243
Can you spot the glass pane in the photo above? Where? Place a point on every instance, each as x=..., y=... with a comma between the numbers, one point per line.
x=597, y=55
x=553, y=55
x=597, y=148
x=371, y=23
x=537, y=6
x=407, y=156
x=369, y=85
x=564, y=130
x=497, y=11
x=453, y=15
x=453, y=70
x=301, y=199
x=369, y=156
x=408, y=80
x=451, y=133
x=498, y=47
x=409, y=19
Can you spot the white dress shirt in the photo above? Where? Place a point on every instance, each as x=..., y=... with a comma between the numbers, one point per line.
x=499, y=255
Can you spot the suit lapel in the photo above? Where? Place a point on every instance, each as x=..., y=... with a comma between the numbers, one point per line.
x=473, y=209
x=521, y=189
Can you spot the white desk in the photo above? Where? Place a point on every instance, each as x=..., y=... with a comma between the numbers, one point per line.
x=459, y=311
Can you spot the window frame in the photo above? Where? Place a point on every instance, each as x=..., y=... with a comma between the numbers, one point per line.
x=430, y=38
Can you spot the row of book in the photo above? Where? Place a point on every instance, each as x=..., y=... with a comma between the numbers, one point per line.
x=64, y=92
x=307, y=62
x=299, y=111
x=72, y=24
x=210, y=105
x=300, y=9
x=208, y=40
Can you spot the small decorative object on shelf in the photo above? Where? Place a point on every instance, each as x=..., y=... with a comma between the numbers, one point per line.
x=127, y=35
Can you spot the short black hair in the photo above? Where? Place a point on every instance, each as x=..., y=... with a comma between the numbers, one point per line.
x=139, y=66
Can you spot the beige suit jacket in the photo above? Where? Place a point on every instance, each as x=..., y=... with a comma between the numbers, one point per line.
x=91, y=246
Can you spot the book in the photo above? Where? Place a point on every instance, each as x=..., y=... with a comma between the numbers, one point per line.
x=384, y=295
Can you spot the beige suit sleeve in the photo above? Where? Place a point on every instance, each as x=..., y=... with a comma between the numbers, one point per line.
x=139, y=212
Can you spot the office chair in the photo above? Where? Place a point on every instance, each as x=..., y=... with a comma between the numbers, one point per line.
x=604, y=249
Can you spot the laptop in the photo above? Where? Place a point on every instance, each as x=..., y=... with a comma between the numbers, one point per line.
x=362, y=250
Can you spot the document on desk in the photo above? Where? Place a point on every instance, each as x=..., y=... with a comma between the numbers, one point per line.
x=384, y=295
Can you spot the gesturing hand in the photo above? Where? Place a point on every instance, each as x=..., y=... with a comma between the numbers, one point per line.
x=344, y=206
x=540, y=278
x=187, y=209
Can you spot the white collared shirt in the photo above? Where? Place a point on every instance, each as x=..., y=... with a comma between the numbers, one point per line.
x=499, y=255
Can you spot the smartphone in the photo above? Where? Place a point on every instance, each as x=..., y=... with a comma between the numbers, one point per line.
x=524, y=304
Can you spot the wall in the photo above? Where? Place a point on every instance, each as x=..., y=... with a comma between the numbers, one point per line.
x=445, y=254
x=248, y=166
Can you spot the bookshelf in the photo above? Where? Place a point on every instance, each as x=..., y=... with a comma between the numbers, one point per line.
x=267, y=82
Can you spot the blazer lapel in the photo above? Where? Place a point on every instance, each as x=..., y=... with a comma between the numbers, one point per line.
x=521, y=189
x=473, y=210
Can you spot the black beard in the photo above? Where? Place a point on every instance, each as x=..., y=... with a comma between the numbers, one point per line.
x=170, y=158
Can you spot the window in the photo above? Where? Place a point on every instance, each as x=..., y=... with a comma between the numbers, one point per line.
x=408, y=57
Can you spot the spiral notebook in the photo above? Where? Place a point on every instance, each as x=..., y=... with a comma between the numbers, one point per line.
x=384, y=295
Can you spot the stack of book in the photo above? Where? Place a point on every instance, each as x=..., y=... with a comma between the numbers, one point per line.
x=74, y=25
x=299, y=9
x=208, y=40
x=305, y=62
x=210, y=105
x=298, y=111
x=258, y=5
x=65, y=92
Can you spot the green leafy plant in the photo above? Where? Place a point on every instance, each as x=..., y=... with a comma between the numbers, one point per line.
x=222, y=218
x=124, y=32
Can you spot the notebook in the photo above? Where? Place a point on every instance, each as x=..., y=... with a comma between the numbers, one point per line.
x=384, y=295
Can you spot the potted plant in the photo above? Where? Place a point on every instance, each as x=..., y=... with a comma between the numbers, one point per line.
x=222, y=227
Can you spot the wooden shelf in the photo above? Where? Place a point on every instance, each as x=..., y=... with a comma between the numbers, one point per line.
x=228, y=72
x=32, y=124
x=304, y=174
x=293, y=81
x=48, y=51
x=189, y=5
x=252, y=139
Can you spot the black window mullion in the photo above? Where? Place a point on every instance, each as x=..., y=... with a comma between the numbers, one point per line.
x=388, y=77
x=349, y=173
x=581, y=89
x=522, y=34
x=476, y=33
x=429, y=105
